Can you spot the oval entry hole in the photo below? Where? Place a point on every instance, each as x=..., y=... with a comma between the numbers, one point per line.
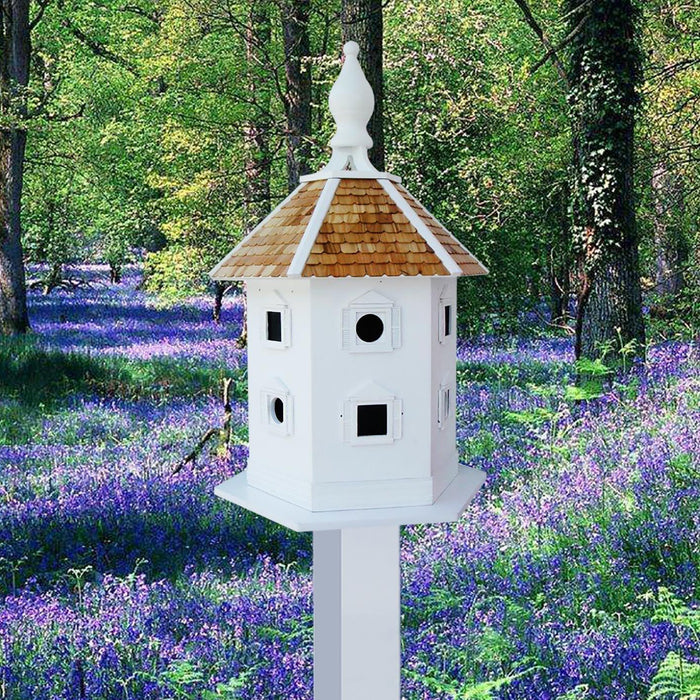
x=278, y=410
x=369, y=328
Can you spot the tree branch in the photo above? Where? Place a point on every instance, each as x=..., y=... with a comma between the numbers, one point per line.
x=224, y=433
x=39, y=14
x=544, y=40
x=66, y=117
x=561, y=45
x=98, y=48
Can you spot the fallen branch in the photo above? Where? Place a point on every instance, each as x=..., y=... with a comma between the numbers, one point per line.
x=552, y=324
x=69, y=283
x=223, y=433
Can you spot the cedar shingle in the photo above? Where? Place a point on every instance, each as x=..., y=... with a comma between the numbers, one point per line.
x=363, y=233
x=374, y=235
x=466, y=261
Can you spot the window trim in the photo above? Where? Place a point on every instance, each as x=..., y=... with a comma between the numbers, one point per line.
x=445, y=303
x=394, y=420
x=389, y=340
x=268, y=397
x=445, y=405
x=285, y=325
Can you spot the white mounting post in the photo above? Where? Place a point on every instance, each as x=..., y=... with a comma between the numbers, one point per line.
x=357, y=614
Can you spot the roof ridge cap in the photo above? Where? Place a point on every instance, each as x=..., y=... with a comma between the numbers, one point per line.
x=308, y=238
x=254, y=230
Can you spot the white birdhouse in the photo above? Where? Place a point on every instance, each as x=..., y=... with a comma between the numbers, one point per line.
x=351, y=291
x=351, y=287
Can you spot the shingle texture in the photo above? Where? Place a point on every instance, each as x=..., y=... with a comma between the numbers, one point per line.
x=364, y=233
x=466, y=261
x=270, y=249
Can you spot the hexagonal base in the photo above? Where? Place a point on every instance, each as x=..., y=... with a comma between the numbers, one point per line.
x=448, y=507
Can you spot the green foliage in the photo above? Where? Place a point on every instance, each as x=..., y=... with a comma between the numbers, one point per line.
x=592, y=376
x=535, y=417
x=139, y=136
x=677, y=678
x=479, y=140
x=34, y=375
x=483, y=444
x=180, y=675
x=669, y=608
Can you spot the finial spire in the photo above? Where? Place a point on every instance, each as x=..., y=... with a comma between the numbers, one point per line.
x=351, y=102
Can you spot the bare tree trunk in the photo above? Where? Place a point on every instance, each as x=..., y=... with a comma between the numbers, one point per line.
x=115, y=272
x=54, y=277
x=295, y=25
x=560, y=258
x=256, y=134
x=220, y=288
x=560, y=263
x=605, y=72
x=362, y=22
x=671, y=252
x=15, y=50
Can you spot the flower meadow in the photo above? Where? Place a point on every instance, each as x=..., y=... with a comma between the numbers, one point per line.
x=574, y=574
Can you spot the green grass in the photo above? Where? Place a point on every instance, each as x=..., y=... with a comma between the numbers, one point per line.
x=34, y=375
x=521, y=374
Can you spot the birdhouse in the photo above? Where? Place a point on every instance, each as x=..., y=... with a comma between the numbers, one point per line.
x=352, y=294
x=351, y=312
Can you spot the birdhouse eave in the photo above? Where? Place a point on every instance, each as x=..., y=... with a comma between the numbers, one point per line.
x=447, y=508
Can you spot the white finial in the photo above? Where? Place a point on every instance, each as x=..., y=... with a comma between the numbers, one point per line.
x=351, y=102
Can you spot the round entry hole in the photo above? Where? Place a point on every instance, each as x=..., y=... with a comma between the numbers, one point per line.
x=278, y=410
x=369, y=328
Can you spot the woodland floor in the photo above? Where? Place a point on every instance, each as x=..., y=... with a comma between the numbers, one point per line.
x=574, y=575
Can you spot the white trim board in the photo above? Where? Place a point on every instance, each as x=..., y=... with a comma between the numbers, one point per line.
x=420, y=204
x=445, y=258
x=216, y=267
x=447, y=508
x=301, y=255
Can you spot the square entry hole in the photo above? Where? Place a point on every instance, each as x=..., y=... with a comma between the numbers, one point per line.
x=372, y=419
x=274, y=326
x=448, y=320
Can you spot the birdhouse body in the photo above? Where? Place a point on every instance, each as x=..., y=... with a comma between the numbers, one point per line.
x=363, y=381
x=351, y=291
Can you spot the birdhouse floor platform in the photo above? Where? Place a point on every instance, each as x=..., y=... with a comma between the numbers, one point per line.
x=448, y=507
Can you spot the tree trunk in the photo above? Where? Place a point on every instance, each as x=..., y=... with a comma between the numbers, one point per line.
x=220, y=288
x=15, y=49
x=613, y=317
x=560, y=267
x=558, y=270
x=362, y=22
x=605, y=72
x=256, y=133
x=671, y=252
x=115, y=272
x=295, y=25
x=54, y=277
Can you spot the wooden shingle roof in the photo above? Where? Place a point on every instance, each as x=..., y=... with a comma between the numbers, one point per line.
x=270, y=248
x=348, y=227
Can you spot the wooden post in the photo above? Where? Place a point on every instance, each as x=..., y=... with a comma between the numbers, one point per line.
x=357, y=614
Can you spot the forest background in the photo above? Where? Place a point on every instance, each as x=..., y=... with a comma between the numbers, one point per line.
x=551, y=139
x=141, y=139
